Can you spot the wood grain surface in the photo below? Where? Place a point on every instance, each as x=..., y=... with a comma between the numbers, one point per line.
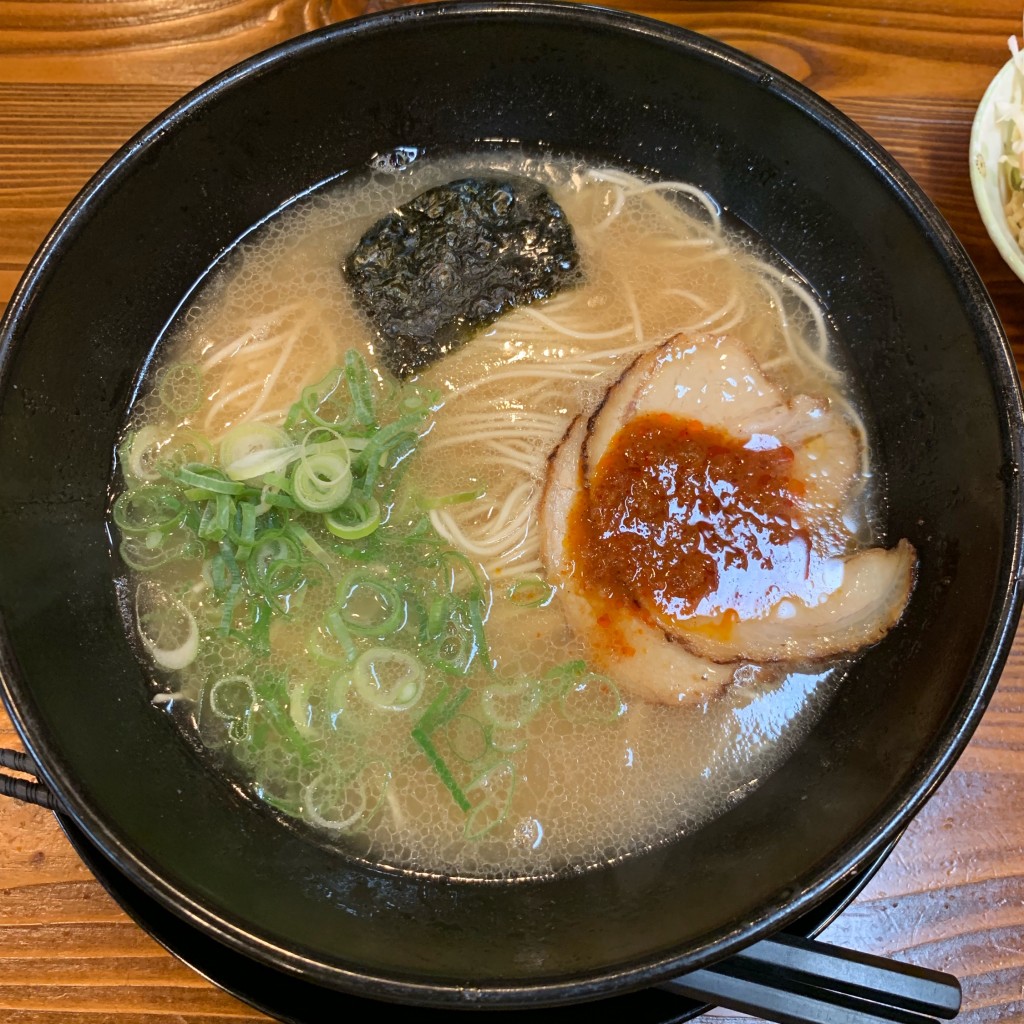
x=79, y=77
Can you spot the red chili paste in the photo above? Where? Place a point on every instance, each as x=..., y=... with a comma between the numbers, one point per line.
x=687, y=520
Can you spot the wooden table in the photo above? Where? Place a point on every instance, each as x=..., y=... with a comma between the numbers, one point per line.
x=78, y=77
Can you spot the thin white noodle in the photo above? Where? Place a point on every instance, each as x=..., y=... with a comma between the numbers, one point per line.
x=688, y=243
x=252, y=329
x=496, y=428
x=223, y=400
x=620, y=202
x=515, y=446
x=712, y=318
x=518, y=493
x=532, y=469
x=688, y=190
x=520, y=418
x=502, y=536
x=272, y=378
x=816, y=354
x=854, y=418
x=638, y=327
x=395, y=807
x=569, y=333
x=446, y=526
x=631, y=188
x=611, y=353
x=276, y=415
x=506, y=569
x=248, y=348
x=689, y=296
x=492, y=435
x=718, y=328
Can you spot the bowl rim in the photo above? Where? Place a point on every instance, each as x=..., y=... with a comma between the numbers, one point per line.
x=994, y=644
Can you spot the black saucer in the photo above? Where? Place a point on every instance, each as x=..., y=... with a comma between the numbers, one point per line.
x=292, y=1000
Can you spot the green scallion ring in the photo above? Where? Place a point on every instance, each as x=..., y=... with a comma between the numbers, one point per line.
x=531, y=592
x=388, y=679
x=357, y=517
x=369, y=605
x=147, y=508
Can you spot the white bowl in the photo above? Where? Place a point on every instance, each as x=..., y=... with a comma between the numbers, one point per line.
x=986, y=180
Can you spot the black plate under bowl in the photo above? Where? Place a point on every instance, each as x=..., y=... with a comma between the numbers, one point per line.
x=295, y=1000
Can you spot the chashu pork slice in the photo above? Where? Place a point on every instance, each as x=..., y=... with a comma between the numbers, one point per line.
x=638, y=655
x=828, y=604
x=715, y=381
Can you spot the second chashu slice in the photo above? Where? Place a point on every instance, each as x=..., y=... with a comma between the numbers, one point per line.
x=708, y=512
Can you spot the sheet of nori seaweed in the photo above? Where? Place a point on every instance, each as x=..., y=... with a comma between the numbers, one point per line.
x=434, y=271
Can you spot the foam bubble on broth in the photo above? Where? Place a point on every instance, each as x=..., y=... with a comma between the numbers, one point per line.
x=277, y=317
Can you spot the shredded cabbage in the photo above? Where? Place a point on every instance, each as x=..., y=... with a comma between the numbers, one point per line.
x=1009, y=113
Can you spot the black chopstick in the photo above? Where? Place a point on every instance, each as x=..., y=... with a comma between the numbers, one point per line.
x=799, y=981
x=858, y=974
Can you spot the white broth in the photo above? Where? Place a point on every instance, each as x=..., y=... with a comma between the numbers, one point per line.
x=508, y=752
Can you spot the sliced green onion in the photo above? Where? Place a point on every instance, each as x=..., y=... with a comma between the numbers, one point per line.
x=421, y=400
x=342, y=804
x=148, y=508
x=216, y=518
x=299, y=707
x=387, y=448
x=370, y=606
x=259, y=632
x=507, y=741
x=437, y=616
x=467, y=738
x=455, y=498
x=556, y=680
x=180, y=387
x=357, y=517
x=388, y=679
x=441, y=769
x=306, y=539
x=232, y=697
x=337, y=630
x=476, y=623
x=336, y=705
x=460, y=575
x=274, y=698
x=455, y=647
x=230, y=597
x=440, y=712
x=167, y=628
x=206, y=478
x=139, y=453
x=223, y=571
x=357, y=377
x=511, y=705
x=273, y=565
x=184, y=447
x=531, y=592
x=490, y=796
x=278, y=480
x=323, y=404
x=592, y=699
x=322, y=482
x=250, y=450
x=242, y=527
x=145, y=552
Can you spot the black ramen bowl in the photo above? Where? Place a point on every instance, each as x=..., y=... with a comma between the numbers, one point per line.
x=921, y=338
